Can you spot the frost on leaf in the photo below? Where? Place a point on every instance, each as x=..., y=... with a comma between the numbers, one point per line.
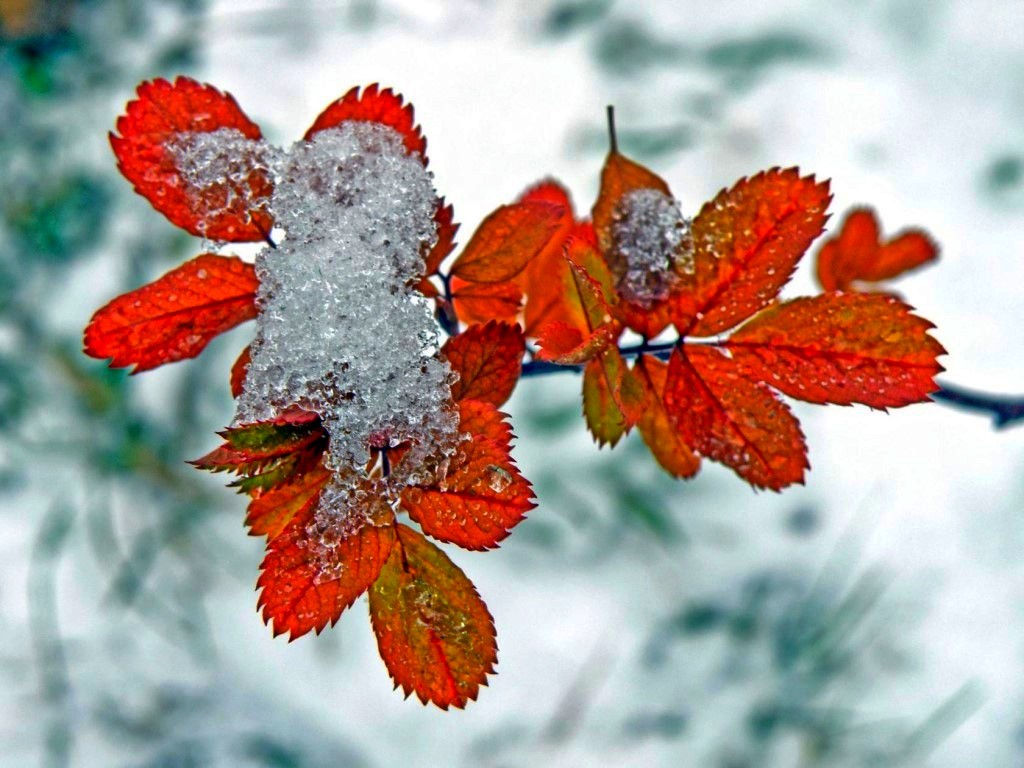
x=342, y=332
x=652, y=246
x=164, y=118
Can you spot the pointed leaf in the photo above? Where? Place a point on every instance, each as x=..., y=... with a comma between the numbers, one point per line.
x=447, y=229
x=656, y=428
x=176, y=316
x=373, y=105
x=164, y=113
x=841, y=348
x=507, y=240
x=271, y=512
x=604, y=419
x=488, y=359
x=733, y=420
x=478, y=303
x=542, y=281
x=481, y=498
x=433, y=631
x=481, y=419
x=857, y=254
x=309, y=578
x=747, y=242
x=619, y=177
x=239, y=370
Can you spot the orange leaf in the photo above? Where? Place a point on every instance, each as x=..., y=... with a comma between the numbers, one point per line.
x=856, y=254
x=841, y=348
x=161, y=114
x=482, y=302
x=488, y=359
x=543, y=278
x=481, y=498
x=480, y=419
x=507, y=240
x=604, y=418
x=747, y=242
x=619, y=177
x=271, y=512
x=307, y=583
x=444, y=217
x=433, y=631
x=733, y=420
x=374, y=106
x=176, y=316
x=655, y=425
x=239, y=370
x=626, y=387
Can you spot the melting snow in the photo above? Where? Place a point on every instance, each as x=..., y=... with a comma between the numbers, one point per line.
x=653, y=240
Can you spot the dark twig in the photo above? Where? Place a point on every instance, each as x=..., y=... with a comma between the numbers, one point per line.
x=1005, y=410
x=612, y=138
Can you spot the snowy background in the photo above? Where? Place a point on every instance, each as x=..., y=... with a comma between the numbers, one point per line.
x=873, y=617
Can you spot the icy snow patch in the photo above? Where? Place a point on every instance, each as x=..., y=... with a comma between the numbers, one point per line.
x=653, y=240
x=341, y=331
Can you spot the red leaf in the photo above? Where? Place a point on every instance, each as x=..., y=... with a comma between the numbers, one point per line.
x=482, y=302
x=507, y=240
x=543, y=279
x=433, y=631
x=481, y=498
x=374, y=106
x=176, y=316
x=444, y=217
x=239, y=371
x=655, y=425
x=619, y=177
x=733, y=420
x=488, y=359
x=163, y=112
x=271, y=512
x=856, y=254
x=306, y=584
x=747, y=242
x=481, y=419
x=841, y=348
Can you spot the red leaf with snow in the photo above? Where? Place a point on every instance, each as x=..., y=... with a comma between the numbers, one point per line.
x=482, y=496
x=433, y=631
x=310, y=576
x=165, y=113
x=176, y=316
x=372, y=105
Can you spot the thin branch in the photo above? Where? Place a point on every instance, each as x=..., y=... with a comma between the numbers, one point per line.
x=612, y=138
x=1005, y=410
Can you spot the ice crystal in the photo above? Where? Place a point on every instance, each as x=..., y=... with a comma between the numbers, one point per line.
x=224, y=172
x=341, y=331
x=653, y=246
